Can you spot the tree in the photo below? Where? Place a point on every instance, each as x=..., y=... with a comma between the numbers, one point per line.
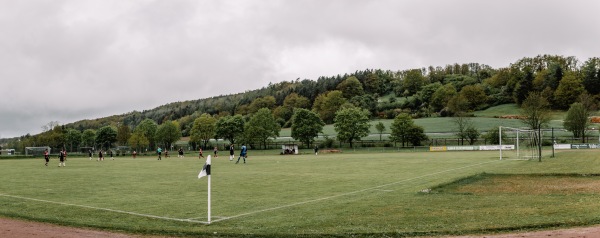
x=401, y=128
x=536, y=115
x=230, y=127
x=138, y=141
x=462, y=123
x=416, y=135
x=88, y=138
x=380, y=128
x=167, y=133
x=204, y=129
x=351, y=124
x=493, y=135
x=257, y=104
x=413, y=81
x=458, y=104
x=106, y=136
x=327, y=104
x=474, y=95
x=524, y=84
x=577, y=120
x=148, y=127
x=428, y=90
x=441, y=96
x=372, y=83
x=351, y=87
x=123, y=134
x=591, y=75
x=472, y=134
x=296, y=101
x=262, y=126
x=535, y=111
x=568, y=90
x=306, y=125
x=73, y=138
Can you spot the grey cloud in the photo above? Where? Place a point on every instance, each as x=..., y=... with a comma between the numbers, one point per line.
x=81, y=59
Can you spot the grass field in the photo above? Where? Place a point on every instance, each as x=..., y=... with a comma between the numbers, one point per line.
x=360, y=194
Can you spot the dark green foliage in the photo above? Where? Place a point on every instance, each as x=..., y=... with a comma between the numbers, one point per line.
x=351, y=124
x=591, y=75
x=106, y=136
x=306, y=126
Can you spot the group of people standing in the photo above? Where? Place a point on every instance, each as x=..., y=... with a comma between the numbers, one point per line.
x=243, y=153
x=102, y=153
x=62, y=156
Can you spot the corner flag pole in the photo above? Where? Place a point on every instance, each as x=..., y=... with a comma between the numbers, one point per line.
x=209, y=198
x=206, y=172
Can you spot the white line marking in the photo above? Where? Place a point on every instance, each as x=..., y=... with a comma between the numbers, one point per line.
x=348, y=193
x=106, y=209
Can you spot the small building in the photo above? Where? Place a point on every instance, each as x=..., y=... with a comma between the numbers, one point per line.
x=289, y=149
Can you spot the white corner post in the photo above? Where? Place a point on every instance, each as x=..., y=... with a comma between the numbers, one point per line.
x=208, y=199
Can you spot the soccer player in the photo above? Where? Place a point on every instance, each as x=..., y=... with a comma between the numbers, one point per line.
x=46, y=156
x=134, y=154
x=111, y=154
x=159, y=152
x=62, y=156
x=90, y=154
x=216, y=150
x=200, y=153
x=100, y=156
x=316, y=149
x=231, y=154
x=180, y=153
x=243, y=154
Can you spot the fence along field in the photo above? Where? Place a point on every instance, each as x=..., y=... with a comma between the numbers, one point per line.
x=334, y=194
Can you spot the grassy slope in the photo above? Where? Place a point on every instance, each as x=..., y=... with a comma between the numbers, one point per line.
x=334, y=194
x=483, y=121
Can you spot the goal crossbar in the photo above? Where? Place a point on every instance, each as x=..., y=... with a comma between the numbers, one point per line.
x=36, y=150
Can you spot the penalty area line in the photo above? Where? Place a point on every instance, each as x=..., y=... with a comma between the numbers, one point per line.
x=349, y=193
x=106, y=209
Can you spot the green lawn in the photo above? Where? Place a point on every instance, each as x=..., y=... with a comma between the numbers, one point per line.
x=361, y=194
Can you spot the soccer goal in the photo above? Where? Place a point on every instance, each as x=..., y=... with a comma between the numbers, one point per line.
x=519, y=144
x=36, y=151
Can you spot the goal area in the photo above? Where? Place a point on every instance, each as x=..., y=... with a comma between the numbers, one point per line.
x=36, y=151
x=519, y=144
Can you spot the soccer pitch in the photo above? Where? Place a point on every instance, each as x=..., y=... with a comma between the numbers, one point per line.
x=360, y=194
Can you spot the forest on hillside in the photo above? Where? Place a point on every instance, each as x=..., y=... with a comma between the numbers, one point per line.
x=434, y=91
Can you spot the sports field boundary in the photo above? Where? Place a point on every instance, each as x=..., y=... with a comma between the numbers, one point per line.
x=224, y=218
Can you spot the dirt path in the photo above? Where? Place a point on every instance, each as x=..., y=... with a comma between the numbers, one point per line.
x=25, y=229
x=22, y=229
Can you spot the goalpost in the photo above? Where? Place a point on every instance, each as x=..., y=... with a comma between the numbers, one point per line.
x=519, y=144
x=35, y=151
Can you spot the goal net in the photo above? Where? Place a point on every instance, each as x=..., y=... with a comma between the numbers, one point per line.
x=519, y=144
x=37, y=151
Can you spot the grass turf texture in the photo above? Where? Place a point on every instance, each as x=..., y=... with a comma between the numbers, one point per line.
x=360, y=194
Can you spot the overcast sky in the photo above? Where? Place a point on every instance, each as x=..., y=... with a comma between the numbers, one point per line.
x=69, y=60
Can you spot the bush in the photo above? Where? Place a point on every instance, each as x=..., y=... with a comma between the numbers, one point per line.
x=328, y=142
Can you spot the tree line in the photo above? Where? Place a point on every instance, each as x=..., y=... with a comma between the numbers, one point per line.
x=453, y=90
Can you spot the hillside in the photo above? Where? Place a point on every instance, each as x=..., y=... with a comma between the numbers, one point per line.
x=430, y=93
